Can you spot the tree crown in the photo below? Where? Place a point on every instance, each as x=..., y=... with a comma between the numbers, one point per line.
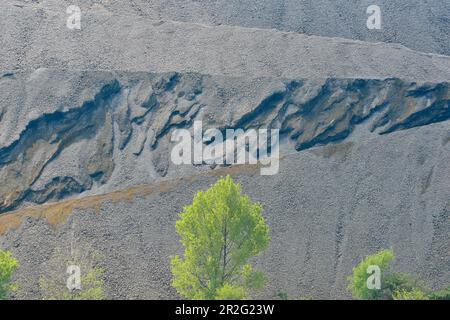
x=220, y=231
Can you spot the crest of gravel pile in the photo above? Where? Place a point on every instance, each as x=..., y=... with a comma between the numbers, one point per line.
x=417, y=24
x=36, y=38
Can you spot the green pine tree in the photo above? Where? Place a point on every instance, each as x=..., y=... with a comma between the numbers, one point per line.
x=220, y=231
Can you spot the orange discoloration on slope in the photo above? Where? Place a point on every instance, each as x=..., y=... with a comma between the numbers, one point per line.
x=57, y=213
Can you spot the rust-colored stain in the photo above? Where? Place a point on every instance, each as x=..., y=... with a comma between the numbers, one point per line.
x=57, y=213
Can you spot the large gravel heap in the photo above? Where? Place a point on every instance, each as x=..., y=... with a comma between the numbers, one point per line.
x=86, y=118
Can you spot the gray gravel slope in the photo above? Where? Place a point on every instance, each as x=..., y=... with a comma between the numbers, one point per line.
x=342, y=203
x=417, y=24
x=72, y=133
x=37, y=38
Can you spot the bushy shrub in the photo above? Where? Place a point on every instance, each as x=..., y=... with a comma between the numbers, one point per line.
x=358, y=281
x=443, y=294
x=394, y=285
x=8, y=265
x=414, y=294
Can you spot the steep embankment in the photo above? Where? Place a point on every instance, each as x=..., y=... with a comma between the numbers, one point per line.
x=117, y=133
x=419, y=25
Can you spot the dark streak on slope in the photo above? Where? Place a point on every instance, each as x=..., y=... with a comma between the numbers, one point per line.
x=308, y=113
x=53, y=133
